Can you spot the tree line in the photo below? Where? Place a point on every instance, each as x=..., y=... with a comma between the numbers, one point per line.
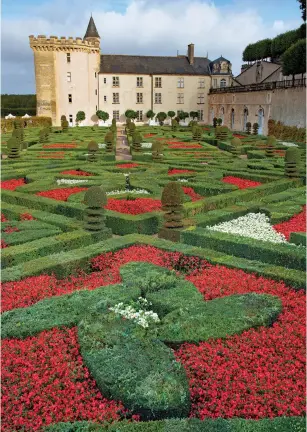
x=18, y=105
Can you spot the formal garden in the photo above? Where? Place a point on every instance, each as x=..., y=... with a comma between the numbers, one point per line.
x=165, y=293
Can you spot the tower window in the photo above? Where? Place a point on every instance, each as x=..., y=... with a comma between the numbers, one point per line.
x=96, y=92
x=180, y=82
x=70, y=98
x=68, y=57
x=95, y=74
x=223, y=83
x=70, y=119
x=68, y=76
x=180, y=98
x=139, y=81
x=105, y=98
x=104, y=80
x=201, y=83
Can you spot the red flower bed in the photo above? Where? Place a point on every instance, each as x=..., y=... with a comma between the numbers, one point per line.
x=280, y=153
x=192, y=194
x=60, y=145
x=239, y=136
x=257, y=374
x=296, y=224
x=127, y=165
x=51, y=155
x=241, y=183
x=12, y=184
x=184, y=146
x=3, y=218
x=76, y=173
x=61, y=194
x=26, y=216
x=149, y=135
x=10, y=229
x=44, y=381
x=179, y=171
x=3, y=244
x=133, y=207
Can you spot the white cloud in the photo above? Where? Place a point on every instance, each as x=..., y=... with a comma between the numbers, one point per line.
x=141, y=27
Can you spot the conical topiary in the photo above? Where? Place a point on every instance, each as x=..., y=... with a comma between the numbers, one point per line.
x=109, y=139
x=131, y=128
x=236, y=146
x=13, y=148
x=270, y=146
x=197, y=132
x=221, y=133
x=95, y=199
x=136, y=141
x=92, y=150
x=42, y=136
x=174, y=124
x=255, y=128
x=292, y=160
x=64, y=125
x=17, y=135
x=248, y=128
x=157, y=149
x=172, y=199
x=214, y=122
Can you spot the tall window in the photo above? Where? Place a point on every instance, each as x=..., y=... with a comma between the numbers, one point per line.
x=200, y=115
x=201, y=98
x=104, y=80
x=70, y=119
x=158, y=98
x=139, y=81
x=68, y=57
x=115, y=81
x=180, y=83
x=201, y=83
x=115, y=97
x=223, y=83
x=68, y=75
x=96, y=92
x=70, y=98
x=215, y=83
x=116, y=115
x=139, y=116
x=158, y=82
x=95, y=74
x=139, y=98
x=105, y=98
x=180, y=98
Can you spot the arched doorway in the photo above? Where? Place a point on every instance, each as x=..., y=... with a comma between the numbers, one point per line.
x=260, y=121
x=245, y=115
x=232, y=118
x=222, y=112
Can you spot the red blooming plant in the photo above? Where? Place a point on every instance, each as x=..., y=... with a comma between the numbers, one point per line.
x=179, y=171
x=241, y=183
x=3, y=244
x=239, y=136
x=61, y=194
x=296, y=224
x=192, y=194
x=133, y=207
x=60, y=145
x=12, y=184
x=26, y=216
x=3, y=218
x=127, y=165
x=44, y=381
x=51, y=155
x=184, y=146
x=10, y=229
x=76, y=173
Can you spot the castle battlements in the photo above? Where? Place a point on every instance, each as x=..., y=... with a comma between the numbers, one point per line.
x=54, y=43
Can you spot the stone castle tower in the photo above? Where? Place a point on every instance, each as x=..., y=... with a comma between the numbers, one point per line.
x=66, y=74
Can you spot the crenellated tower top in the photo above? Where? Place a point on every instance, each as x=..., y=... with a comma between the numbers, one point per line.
x=53, y=43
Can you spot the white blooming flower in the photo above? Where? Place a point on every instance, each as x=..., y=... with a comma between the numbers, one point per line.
x=140, y=317
x=101, y=145
x=287, y=144
x=183, y=180
x=132, y=192
x=146, y=145
x=70, y=181
x=253, y=225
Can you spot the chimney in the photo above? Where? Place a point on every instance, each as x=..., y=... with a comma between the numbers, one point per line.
x=191, y=53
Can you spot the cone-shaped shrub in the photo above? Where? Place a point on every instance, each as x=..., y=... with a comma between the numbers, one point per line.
x=17, y=135
x=42, y=136
x=114, y=122
x=92, y=150
x=64, y=125
x=270, y=145
x=157, y=149
x=136, y=141
x=131, y=128
x=221, y=133
x=174, y=124
x=292, y=160
x=197, y=132
x=109, y=140
x=13, y=148
x=248, y=128
x=236, y=146
x=255, y=128
x=219, y=121
x=95, y=199
x=172, y=199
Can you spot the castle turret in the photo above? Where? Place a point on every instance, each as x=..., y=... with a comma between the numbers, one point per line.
x=66, y=74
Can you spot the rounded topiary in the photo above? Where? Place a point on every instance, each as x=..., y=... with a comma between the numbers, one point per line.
x=236, y=146
x=270, y=146
x=157, y=149
x=92, y=149
x=292, y=160
x=109, y=140
x=64, y=125
x=13, y=148
x=95, y=199
x=248, y=128
x=219, y=121
x=172, y=199
x=63, y=117
x=174, y=124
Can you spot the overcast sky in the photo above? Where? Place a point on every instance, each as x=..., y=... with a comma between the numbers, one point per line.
x=155, y=27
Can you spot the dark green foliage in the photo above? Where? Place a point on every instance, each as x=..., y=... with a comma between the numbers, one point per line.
x=63, y=117
x=270, y=147
x=248, y=128
x=130, y=114
x=214, y=122
x=236, y=145
x=182, y=115
x=172, y=199
x=258, y=50
x=171, y=114
x=294, y=59
x=303, y=9
x=219, y=121
x=80, y=116
x=95, y=198
x=197, y=132
x=92, y=149
x=43, y=136
x=131, y=128
x=298, y=238
x=18, y=105
x=13, y=148
x=283, y=42
x=136, y=141
x=255, y=128
x=102, y=115
x=292, y=160
x=157, y=150
x=194, y=115
x=64, y=125
x=113, y=122
x=109, y=141
x=161, y=116
x=221, y=133
x=174, y=124
x=150, y=114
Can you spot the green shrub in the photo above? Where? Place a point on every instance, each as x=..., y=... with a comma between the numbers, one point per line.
x=236, y=145
x=255, y=128
x=95, y=199
x=248, y=128
x=13, y=148
x=270, y=146
x=292, y=160
x=174, y=124
x=64, y=125
x=136, y=141
x=109, y=141
x=157, y=150
x=172, y=199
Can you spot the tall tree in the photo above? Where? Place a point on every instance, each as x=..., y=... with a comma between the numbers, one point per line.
x=303, y=8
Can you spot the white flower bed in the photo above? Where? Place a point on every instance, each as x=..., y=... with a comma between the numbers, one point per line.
x=183, y=180
x=146, y=145
x=140, y=317
x=287, y=144
x=70, y=182
x=101, y=146
x=132, y=191
x=253, y=225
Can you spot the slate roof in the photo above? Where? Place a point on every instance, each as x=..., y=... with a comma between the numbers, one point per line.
x=91, y=30
x=113, y=63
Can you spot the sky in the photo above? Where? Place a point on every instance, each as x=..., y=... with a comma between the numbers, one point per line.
x=140, y=27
